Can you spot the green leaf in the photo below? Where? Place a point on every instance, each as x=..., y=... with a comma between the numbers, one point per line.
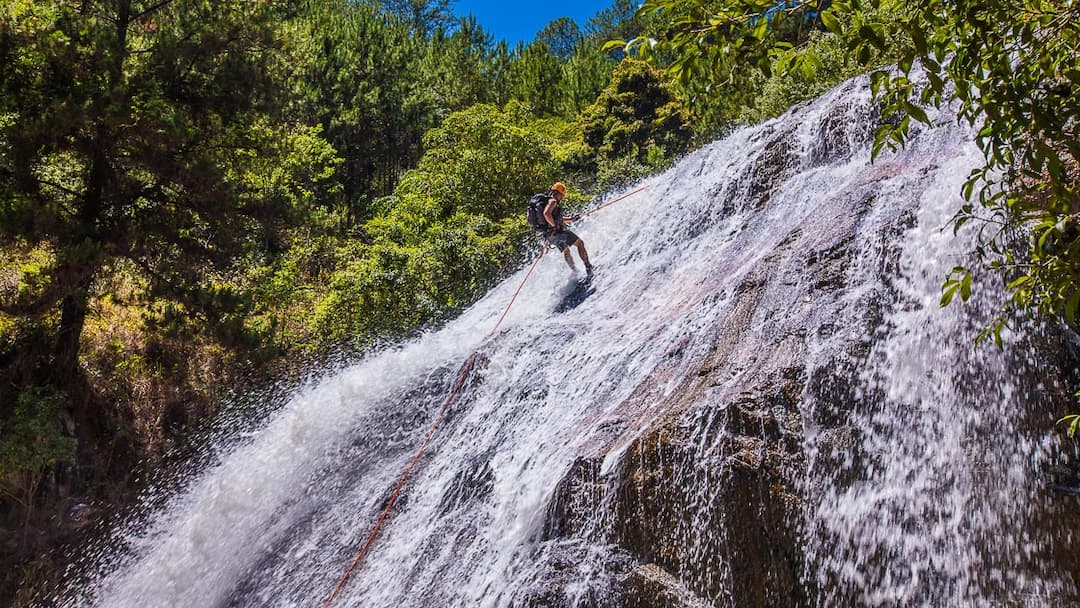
x=969, y=186
x=1017, y=282
x=613, y=45
x=760, y=29
x=878, y=81
x=916, y=112
x=1073, y=422
x=809, y=64
x=1070, y=306
x=918, y=38
x=959, y=223
x=830, y=22
x=863, y=54
x=873, y=35
x=948, y=291
x=783, y=61
x=881, y=139
x=905, y=61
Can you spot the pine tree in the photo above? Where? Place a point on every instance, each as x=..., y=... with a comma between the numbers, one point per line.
x=141, y=132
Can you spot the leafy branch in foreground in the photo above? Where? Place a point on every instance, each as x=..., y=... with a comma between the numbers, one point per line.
x=1012, y=68
x=1073, y=422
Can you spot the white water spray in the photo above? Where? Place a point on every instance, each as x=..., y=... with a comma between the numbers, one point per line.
x=705, y=282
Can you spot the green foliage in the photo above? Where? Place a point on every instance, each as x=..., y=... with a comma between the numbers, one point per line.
x=32, y=439
x=804, y=72
x=462, y=68
x=709, y=42
x=958, y=281
x=635, y=113
x=1011, y=67
x=358, y=76
x=719, y=52
x=537, y=79
x=482, y=159
x=452, y=226
x=161, y=151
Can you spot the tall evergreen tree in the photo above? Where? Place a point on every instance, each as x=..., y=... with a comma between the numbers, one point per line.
x=424, y=16
x=139, y=131
x=537, y=78
x=360, y=80
x=456, y=67
x=561, y=37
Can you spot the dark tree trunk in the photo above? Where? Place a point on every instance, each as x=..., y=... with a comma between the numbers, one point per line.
x=89, y=414
x=73, y=310
x=66, y=372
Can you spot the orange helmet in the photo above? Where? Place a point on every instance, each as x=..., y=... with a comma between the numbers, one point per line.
x=559, y=187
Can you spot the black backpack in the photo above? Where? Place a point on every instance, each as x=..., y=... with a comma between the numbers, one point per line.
x=536, y=211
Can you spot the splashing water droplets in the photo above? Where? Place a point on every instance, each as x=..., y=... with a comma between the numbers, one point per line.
x=760, y=405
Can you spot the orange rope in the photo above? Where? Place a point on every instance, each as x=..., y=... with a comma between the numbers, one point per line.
x=442, y=414
x=610, y=203
x=438, y=420
x=401, y=482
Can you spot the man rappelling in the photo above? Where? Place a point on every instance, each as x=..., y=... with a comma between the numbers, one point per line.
x=546, y=218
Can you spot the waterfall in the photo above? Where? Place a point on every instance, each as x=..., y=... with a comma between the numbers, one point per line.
x=760, y=405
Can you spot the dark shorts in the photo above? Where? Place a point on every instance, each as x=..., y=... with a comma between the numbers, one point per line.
x=562, y=239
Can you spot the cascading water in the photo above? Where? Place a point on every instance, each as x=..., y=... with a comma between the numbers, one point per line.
x=760, y=405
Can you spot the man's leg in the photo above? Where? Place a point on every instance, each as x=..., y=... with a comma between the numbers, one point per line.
x=581, y=252
x=569, y=260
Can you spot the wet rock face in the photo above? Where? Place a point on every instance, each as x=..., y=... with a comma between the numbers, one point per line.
x=708, y=492
x=1050, y=381
x=650, y=586
x=844, y=129
x=571, y=573
x=777, y=161
x=705, y=508
x=577, y=497
x=725, y=528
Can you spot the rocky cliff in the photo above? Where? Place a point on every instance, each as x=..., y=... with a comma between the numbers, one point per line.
x=761, y=405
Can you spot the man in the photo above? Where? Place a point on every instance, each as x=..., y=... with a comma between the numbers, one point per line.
x=563, y=238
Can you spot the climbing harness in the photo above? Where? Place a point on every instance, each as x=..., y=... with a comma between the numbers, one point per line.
x=465, y=369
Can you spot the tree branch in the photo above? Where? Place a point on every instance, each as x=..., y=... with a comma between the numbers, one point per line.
x=64, y=279
x=63, y=189
x=152, y=8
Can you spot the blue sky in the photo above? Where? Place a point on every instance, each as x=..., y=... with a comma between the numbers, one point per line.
x=519, y=21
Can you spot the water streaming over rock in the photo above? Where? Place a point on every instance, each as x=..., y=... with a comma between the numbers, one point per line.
x=761, y=405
